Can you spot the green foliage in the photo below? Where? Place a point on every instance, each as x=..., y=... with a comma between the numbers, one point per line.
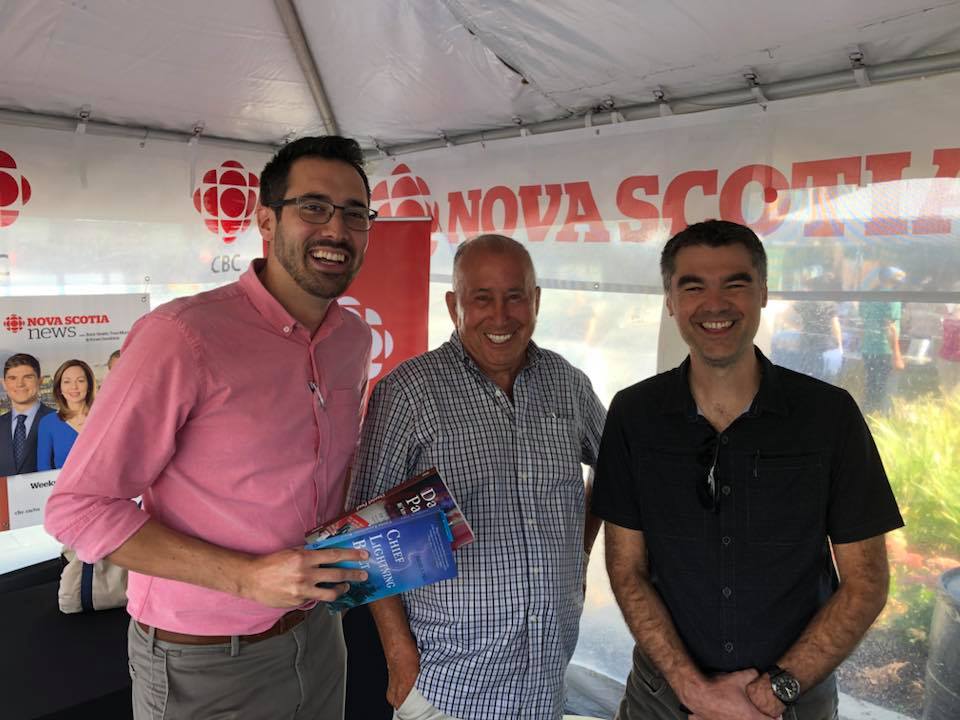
x=910, y=604
x=919, y=442
x=920, y=446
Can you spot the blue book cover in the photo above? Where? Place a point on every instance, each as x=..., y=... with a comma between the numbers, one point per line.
x=405, y=553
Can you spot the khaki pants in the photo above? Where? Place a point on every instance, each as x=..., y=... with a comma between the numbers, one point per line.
x=417, y=707
x=649, y=697
x=297, y=675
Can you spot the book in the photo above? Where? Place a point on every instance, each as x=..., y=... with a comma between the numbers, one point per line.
x=423, y=492
x=405, y=554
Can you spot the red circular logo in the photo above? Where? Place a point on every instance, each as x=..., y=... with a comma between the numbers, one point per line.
x=13, y=323
x=382, y=346
x=226, y=199
x=14, y=190
x=404, y=194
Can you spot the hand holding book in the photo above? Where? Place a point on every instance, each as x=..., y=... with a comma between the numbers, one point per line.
x=404, y=554
x=410, y=534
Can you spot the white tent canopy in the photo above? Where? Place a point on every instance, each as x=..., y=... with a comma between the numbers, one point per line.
x=399, y=72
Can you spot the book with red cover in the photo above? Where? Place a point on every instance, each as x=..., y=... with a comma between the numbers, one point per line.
x=423, y=492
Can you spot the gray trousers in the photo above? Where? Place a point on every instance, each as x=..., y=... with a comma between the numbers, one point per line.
x=298, y=675
x=649, y=697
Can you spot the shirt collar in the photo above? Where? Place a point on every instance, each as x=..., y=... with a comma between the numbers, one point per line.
x=274, y=313
x=29, y=414
x=769, y=398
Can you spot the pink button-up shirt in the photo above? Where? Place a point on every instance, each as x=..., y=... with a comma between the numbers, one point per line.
x=234, y=425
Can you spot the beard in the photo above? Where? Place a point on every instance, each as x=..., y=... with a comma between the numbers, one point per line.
x=296, y=260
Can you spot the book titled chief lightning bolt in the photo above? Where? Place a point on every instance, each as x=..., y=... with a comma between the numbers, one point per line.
x=404, y=554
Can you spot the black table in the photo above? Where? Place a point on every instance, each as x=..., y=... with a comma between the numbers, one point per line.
x=58, y=666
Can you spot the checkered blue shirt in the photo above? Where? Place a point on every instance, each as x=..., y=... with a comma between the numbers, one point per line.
x=495, y=641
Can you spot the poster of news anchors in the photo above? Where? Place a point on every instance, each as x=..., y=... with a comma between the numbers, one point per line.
x=74, y=341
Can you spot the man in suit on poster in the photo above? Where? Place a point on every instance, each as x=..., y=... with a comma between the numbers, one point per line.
x=18, y=428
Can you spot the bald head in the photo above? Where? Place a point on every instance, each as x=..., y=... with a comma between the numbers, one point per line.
x=473, y=250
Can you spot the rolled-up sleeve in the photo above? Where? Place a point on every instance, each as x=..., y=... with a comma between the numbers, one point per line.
x=129, y=439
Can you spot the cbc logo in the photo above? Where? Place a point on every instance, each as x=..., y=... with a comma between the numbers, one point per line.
x=404, y=194
x=226, y=199
x=14, y=190
x=13, y=323
x=382, y=346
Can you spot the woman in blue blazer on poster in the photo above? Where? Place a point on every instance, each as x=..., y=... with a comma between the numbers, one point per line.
x=73, y=389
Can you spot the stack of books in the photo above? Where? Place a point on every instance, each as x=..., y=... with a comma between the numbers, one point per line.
x=410, y=534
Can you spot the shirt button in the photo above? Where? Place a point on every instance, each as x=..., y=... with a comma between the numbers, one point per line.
x=725, y=489
x=724, y=439
x=534, y=619
x=531, y=522
x=522, y=476
x=726, y=540
x=286, y=329
x=728, y=646
x=727, y=592
x=319, y=461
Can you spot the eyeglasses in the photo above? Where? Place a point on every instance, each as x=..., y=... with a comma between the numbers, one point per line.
x=708, y=489
x=315, y=211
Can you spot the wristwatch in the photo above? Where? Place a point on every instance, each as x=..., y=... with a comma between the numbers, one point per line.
x=785, y=686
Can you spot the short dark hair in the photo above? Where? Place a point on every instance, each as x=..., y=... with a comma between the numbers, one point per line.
x=712, y=233
x=19, y=359
x=273, y=179
x=63, y=408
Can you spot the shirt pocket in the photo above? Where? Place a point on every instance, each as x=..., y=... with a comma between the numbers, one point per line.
x=667, y=496
x=785, y=498
x=556, y=448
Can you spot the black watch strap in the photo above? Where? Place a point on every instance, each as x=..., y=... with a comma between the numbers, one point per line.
x=786, y=689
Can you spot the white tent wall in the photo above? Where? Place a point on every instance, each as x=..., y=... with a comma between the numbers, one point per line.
x=128, y=204
x=119, y=214
x=582, y=198
x=594, y=182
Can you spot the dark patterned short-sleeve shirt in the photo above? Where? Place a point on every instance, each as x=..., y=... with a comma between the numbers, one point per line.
x=795, y=470
x=495, y=641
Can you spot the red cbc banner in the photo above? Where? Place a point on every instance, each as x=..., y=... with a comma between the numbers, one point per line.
x=392, y=292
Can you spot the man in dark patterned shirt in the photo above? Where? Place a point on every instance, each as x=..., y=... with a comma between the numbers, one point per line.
x=745, y=508
x=508, y=425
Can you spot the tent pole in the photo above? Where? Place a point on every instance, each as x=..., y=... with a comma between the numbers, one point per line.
x=291, y=23
x=100, y=127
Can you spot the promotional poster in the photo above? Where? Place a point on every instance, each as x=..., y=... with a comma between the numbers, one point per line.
x=67, y=335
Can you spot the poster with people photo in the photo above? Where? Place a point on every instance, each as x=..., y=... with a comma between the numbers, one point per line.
x=56, y=352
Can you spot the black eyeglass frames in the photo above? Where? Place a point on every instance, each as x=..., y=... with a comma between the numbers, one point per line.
x=316, y=211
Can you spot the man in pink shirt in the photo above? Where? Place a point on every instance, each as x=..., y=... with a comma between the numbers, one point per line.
x=235, y=414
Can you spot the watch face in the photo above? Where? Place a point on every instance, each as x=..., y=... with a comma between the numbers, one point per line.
x=785, y=687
